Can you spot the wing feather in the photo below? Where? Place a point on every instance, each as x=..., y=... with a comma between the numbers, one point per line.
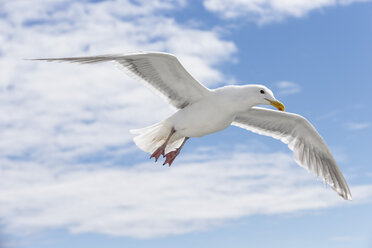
x=309, y=149
x=161, y=72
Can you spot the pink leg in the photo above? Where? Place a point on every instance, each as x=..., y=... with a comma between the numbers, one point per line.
x=161, y=149
x=170, y=156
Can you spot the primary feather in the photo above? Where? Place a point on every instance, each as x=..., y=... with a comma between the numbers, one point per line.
x=202, y=111
x=309, y=149
x=162, y=72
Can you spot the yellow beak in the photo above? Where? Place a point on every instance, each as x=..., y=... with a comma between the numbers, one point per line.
x=277, y=105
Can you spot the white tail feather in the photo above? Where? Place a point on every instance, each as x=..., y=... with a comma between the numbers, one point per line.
x=150, y=138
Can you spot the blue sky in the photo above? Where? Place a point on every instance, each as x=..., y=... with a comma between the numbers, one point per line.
x=71, y=176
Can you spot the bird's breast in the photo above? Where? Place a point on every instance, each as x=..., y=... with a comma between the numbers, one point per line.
x=201, y=118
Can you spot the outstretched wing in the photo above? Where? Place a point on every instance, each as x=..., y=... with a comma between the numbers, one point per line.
x=162, y=72
x=309, y=149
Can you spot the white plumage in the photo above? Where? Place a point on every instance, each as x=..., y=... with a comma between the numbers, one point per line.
x=309, y=149
x=202, y=111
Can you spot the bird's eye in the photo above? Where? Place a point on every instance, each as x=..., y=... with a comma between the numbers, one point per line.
x=262, y=91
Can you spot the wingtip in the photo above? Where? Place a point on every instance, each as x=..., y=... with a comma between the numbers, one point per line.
x=36, y=59
x=346, y=196
x=349, y=197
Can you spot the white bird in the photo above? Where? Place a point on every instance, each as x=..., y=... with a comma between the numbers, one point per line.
x=203, y=111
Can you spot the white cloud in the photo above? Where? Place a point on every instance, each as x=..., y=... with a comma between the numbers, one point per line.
x=287, y=88
x=63, y=111
x=266, y=11
x=57, y=121
x=357, y=125
x=150, y=200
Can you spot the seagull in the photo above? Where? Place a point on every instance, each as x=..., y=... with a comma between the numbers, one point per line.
x=202, y=111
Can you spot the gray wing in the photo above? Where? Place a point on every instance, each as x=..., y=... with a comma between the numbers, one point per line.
x=309, y=149
x=162, y=72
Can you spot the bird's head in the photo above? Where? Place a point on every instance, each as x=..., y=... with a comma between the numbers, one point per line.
x=265, y=96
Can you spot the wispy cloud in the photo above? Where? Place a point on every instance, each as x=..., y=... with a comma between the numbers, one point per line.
x=287, y=88
x=267, y=11
x=357, y=125
x=335, y=114
x=58, y=120
x=329, y=115
x=149, y=200
x=64, y=130
x=64, y=111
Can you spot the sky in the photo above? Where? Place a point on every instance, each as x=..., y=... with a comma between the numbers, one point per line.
x=71, y=176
